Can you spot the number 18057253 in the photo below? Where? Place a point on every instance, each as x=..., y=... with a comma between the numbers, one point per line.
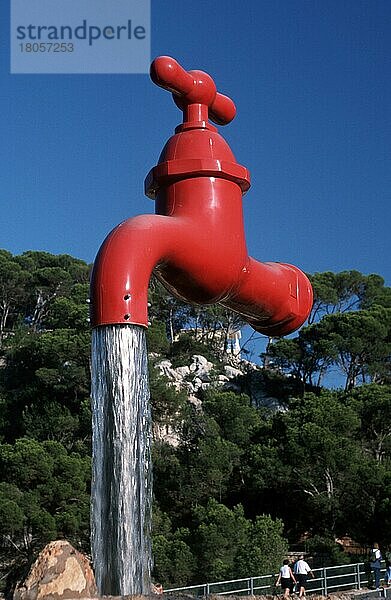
x=46, y=47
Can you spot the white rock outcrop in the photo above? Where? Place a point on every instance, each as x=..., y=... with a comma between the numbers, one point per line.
x=195, y=376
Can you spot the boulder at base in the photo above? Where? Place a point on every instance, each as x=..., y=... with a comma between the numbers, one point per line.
x=59, y=572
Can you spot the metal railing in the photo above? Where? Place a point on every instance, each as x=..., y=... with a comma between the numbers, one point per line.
x=327, y=579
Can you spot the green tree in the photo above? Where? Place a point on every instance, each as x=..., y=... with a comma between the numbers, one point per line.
x=14, y=281
x=265, y=547
x=42, y=371
x=357, y=342
x=228, y=545
x=345, y=292
x=167, y=309
x=317, y=438
x=51, y=277
x=167, y=475
x=209, y=462
x=219, y=535
x=71, y=311
x=49, y=487
x=174, y=562
x=267, y=479
x=361, y=343
x=238, y=421
x=374, y=408
x=157, y=341
x=12, y=517
x=306, y=357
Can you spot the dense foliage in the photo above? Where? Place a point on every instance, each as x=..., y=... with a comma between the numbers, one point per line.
x=243, y=481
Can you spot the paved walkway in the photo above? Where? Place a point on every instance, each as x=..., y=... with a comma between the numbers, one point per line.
x=371, y=594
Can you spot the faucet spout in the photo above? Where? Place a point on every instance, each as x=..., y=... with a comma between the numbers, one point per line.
x=195, y=243
x=199, y=253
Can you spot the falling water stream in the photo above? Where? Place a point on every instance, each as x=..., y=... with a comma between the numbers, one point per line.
x=121, y=469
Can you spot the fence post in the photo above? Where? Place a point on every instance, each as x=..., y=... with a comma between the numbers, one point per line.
x=325, y=581
x=206, y=589
x=358, y=577
x=251, y=586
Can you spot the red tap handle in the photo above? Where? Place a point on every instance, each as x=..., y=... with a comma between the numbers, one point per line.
x=192, y=87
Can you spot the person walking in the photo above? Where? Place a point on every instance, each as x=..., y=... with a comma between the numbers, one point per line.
x=387, y=575
x=375, y=564
x=301, y=570
x=285, y=577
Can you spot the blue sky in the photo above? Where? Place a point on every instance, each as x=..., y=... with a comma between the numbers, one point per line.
x=311, y=81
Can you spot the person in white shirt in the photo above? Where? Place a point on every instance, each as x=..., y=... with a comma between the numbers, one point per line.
x=285, y=576
x=375, y=563
x=301, y=570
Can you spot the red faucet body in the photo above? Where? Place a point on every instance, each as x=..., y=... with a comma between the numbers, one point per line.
x=195, y=243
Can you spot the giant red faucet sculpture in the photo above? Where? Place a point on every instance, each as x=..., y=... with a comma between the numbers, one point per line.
x=195, y=242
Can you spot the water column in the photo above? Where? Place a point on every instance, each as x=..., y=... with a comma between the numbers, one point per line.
x=121, y=464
